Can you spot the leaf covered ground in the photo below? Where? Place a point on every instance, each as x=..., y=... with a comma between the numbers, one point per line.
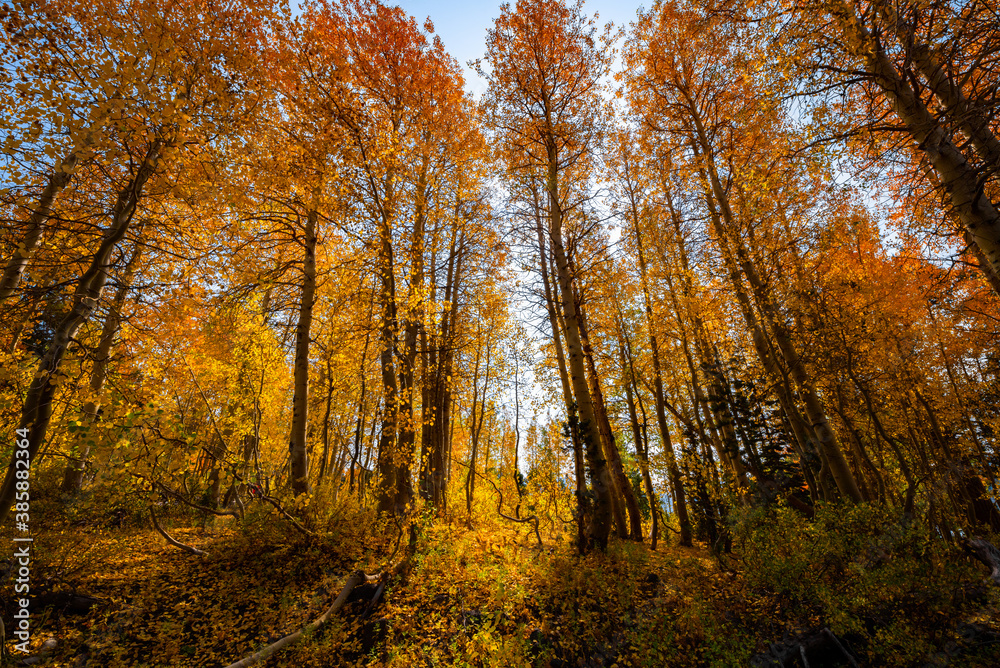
x=113, y=593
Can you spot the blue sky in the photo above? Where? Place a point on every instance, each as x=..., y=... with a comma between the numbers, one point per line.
x=462, y=26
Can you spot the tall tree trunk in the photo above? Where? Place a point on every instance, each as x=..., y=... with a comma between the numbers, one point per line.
x=429, y=390
x=446, y=453
x=984, y=460
x=674, y=472
x=35, y=225
x=359, y=426
x=435, y=458
x=572, y=423
x=815, y=412
x=861, y=452
x=516, y=473
x=327, y=380
x=343, y=452
x=389, y=457
x=407, y=355
x=967, y=117
x=297, y=442
x=810, y=459
x=37, y=409
x=733, y=252
x=980, y=508
x=880, y=431
x=962, y=183
x=444, y=427
x=641, y=451
x=600, y=476
x=714, y=406
x=625, y=492
x=476, y=426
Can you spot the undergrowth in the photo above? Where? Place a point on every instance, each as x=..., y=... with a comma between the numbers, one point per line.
x=112, y=593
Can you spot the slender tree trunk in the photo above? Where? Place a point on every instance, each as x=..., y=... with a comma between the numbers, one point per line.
x=37, y=409
x=446, y=452
x=625, y=492
x=661, y=417
x=715, y=408
x=436, y=458
x=440, y=455
x=984, y=460
x=388, y=455
x=980, y=508
x=429, y=398
x=476, y=426
x=359, y=426
x=517, y=436
x=641, y=452
x=861, y=452
x=34, y=228
x=326, y=379
x=367, y=472
x=407, y=355
x=714, y=405
x=429, y=387
x=572, y=422
x=904, y=466
x=73, y=476
x=343, y=452
x=733, y=252
x=297, y=443
x=600, y=476
x=962, y=183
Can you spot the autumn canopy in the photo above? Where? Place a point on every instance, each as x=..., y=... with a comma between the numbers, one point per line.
x=682, y=325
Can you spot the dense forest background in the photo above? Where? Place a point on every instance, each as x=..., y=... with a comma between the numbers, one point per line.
x=678, y=346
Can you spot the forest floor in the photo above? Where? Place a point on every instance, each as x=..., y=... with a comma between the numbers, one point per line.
x=116, y=594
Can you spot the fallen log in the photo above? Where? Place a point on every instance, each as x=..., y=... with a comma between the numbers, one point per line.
x=356, y=578
x=985, y=552
x=400, y=569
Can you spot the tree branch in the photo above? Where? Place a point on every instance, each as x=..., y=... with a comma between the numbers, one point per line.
x=187, y=548
x=291, y=519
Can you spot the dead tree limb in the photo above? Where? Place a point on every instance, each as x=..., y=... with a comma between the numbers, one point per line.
x=836, y=641
x=356, y=578
x=239, y=502
x=277, y=506
x=821, y=645
x=288, y=517
x=172, y=541
x=187, y=502
x=500, y=512
x=375, y=598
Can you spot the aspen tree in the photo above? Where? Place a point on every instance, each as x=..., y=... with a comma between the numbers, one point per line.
x=544, y=102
